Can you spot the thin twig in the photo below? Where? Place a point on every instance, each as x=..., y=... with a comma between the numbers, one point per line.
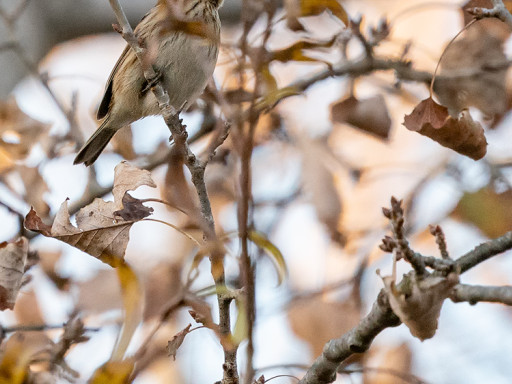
x=15, y=45
x=484, y=251
x=40, y=328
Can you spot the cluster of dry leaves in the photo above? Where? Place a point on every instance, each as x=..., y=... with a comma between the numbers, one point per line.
x=472, y=77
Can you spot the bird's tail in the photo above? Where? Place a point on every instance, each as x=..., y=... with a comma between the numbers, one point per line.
x=95, y=145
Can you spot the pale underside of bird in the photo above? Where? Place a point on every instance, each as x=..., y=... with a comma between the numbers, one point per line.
x=181, y=39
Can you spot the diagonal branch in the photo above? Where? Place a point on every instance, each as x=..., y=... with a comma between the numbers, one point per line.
x=381, y=316
x=485, y=251
x=357, y=340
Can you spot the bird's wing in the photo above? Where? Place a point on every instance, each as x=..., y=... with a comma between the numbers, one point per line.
x=107, y=96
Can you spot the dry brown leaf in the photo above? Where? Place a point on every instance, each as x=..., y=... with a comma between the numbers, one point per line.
x=178, y=191
x=18, y=132
x=129, y=178
x=476, y=50
x=35, y=188
x=370, y=115
x=133, y=209
x=74, y=333
x=463, y=135
x=389, y=360
x=98, y=233
x=319, y=183
x=13, y=257
x=101, y=230
x=177, y=340
x=316, y=321
x=161, y=285
x=99, y=294
x=201, y=312
x=123, y=143
x=48, y=261
x=27, y=310
x=417, y=301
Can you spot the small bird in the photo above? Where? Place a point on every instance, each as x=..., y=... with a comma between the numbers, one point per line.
x=182, y=40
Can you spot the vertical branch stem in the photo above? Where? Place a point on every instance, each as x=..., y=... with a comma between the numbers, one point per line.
x=245, y=146
x=197, y=170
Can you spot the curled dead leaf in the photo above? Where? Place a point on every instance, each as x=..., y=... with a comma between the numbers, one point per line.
x=123, y=143
x=18, y=133
x=13, y=257
x=129, y=178
x=35, y=188
x=417, y=301
x=391, y=363
x=100, y=293
x=320, y=185
x=101, y=230
x=478, y=50
x=162, y=286
x=316, y=320
x=177, y=340
x=27, y=309
x=178, y=191
x=463, y=134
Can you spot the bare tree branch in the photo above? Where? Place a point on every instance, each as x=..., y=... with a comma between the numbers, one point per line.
x=476, y=293
x=484, y=251
x=357, y=340
x=498, y=11
x=381, y=316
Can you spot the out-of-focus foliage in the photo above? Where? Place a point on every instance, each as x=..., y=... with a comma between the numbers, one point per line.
x=315, y=101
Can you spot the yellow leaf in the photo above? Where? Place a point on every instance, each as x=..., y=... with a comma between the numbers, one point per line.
x=315, y=7
x=274, y=97
x=478, y=207
x=18, y=351
x=113, y=372
x=240, y=332
x=295, y=51
x=269, y=80
x=272, y=251
x=132, y=303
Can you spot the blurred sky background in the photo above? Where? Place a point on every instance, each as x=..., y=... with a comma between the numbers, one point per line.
x=473, y=344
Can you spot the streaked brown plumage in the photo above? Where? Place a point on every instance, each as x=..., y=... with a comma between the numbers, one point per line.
x=183, y=57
